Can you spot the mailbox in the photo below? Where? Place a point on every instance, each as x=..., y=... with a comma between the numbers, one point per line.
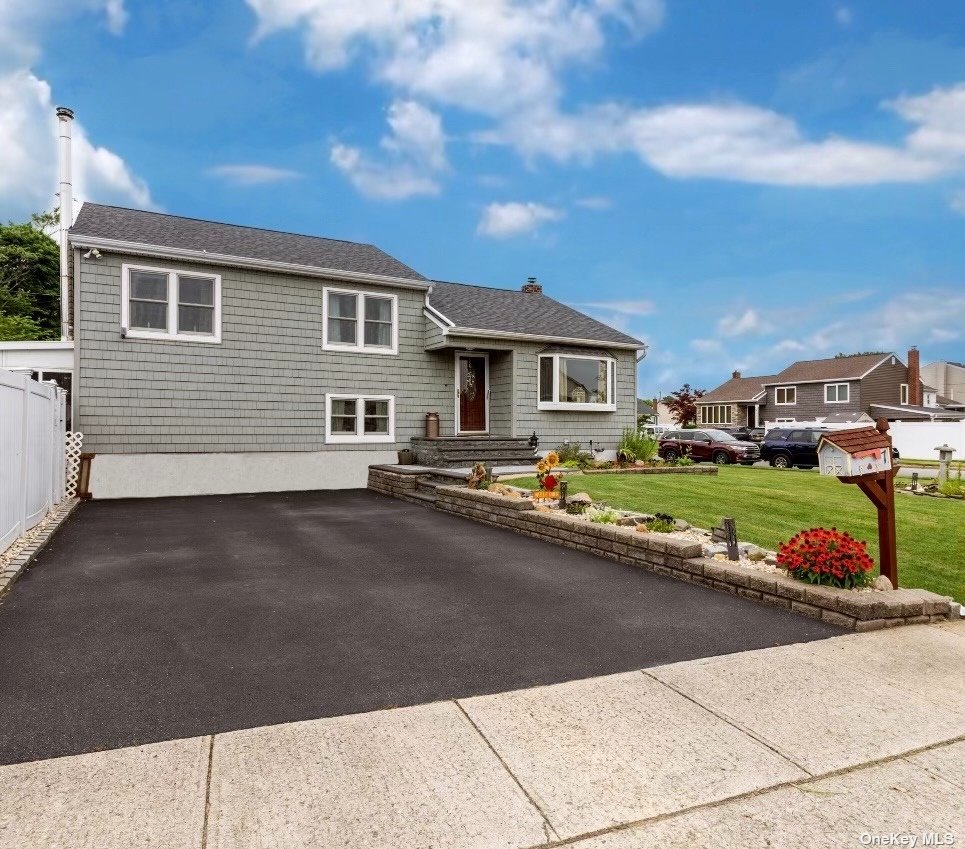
x=854, y=453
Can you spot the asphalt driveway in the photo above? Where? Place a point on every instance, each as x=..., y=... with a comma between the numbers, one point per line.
x=150, y=620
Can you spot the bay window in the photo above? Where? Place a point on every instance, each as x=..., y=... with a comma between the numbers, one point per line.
x=359, y=321
x=576, y=382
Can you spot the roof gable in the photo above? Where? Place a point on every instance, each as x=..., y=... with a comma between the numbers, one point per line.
x=857, y=439
x=157, y=230
x=510, y=311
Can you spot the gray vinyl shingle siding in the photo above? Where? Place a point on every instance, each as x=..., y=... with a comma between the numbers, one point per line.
x=262, y=389
x=810, y=402
x=882, y=386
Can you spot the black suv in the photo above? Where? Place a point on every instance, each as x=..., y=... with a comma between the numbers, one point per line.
x=784, y=448
x=745, y=434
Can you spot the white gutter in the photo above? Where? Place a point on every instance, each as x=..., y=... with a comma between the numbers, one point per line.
x=535, y=337
x=79, y=240
x=65, y=117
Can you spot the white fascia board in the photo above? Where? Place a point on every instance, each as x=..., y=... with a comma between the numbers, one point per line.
x=438, y=317
x=886, y=357
x=139, y=249
x=535, y=337
x=432, y=317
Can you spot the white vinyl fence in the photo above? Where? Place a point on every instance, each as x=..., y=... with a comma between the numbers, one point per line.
x=32, y=468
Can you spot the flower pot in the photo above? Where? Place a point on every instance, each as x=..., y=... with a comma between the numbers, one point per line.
x=406, y=457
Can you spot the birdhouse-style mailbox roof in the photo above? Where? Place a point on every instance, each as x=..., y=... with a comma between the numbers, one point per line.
x=857, y=439
x=854, y=453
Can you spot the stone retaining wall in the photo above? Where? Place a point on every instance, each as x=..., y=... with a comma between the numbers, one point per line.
x=399, y=485
x=681, y=559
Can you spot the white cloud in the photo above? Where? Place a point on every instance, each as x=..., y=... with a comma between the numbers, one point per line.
x=957, y=203
x=844, y=16
x=252, y=174
x=706, y=346
x=501, y=220
x=492, y=57
x=596, y=203
x=749, y=321
x=28, y=154
x=413, y=159
x=28, y=128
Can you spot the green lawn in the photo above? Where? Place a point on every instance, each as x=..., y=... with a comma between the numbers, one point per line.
x=771, y=506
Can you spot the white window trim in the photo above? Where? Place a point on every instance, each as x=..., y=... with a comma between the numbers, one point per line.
x=785, y=403
x=168, y=335
x=359, y=436
x=902, y=393
x=829, y=385
x=571, y=405
x=360, y=347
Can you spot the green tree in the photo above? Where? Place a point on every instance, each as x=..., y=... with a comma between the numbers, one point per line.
x=29, y=280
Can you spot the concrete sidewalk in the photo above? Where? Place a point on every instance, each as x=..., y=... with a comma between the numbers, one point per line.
x=804, y=745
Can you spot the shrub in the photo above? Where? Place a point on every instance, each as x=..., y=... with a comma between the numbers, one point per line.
x=578, y=508
x=602, y=515
x=636, y=446
x=664, y=517
x=572, y=456
x=661, y=526
x=823, y=556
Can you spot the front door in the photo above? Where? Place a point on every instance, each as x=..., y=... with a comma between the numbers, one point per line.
x=472, y=390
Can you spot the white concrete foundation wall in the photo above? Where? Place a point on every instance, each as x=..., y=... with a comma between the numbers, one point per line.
x=157, y=475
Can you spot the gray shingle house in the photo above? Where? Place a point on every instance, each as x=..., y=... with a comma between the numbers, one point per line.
x=217, y=358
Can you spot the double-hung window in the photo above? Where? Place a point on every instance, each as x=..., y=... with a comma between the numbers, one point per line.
x=576, y=382
x=360, y=321
x=359, y=418
x=837, y=393
x=166, y=304
x=785, y=396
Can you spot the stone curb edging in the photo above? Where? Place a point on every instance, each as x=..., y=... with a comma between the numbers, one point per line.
x=680, y=559
x=52, y=523
x=655, y=470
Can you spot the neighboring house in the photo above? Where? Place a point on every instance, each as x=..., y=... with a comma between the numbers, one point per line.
x=837, y=390
x=735, y=403
x=948, y=378
x=42, y=361
x=646, y=414
x=218, y=358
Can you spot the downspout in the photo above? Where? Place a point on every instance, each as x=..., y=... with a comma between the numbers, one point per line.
x=65, y=118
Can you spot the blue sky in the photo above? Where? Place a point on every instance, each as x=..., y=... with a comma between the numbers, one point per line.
x=740, y=184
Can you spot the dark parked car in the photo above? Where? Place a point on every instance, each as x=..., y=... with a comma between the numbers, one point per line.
x=708, y=445
x=745, y=434
x=785, y=448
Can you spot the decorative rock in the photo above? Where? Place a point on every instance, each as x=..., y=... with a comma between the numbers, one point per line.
x=681, y=524
x=770, y=559
x=642, y=528
x=715, y=548
x=756, y=554
x=627, y=521
x=882, y=583
x=579, y=498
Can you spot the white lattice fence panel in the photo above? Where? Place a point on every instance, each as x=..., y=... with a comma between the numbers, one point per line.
x=73, y=440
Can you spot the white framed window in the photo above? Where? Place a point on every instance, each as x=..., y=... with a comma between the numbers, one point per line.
x=837, y=393
x=785, y=396
x=364, y=322
x=359, y=418
x=785, y=421
x=715, y=414
x=903, y=393
x=576, y=382
x=168, y=304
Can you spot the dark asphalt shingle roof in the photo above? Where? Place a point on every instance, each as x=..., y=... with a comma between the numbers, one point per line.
x=832, y=368
x=172, y=231
x=736, y=389
x=514, y=311
x=645, y=408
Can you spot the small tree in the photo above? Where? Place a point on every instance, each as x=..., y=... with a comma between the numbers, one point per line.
x=683, y=404
x=29, y=280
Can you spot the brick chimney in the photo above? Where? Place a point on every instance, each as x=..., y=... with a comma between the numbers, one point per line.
x=914, y=378
x=735, y=374
x=531, y=287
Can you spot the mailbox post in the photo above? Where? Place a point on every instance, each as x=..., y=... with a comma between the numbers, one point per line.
x=862, y=456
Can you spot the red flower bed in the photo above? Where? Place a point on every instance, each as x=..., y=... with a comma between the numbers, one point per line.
x=824, y=556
